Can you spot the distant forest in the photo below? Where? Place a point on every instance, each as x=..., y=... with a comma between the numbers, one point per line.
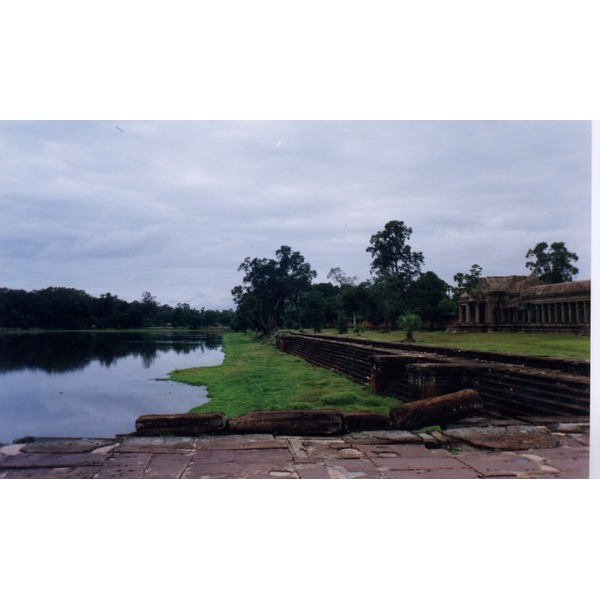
x=66, y=308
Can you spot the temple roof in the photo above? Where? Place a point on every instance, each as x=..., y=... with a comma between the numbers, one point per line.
x=526, y=286
x=510, y=284
x=567, y=288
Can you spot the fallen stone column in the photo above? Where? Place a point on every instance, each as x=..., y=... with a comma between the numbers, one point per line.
x=289, y=422
x=436, y=411
x=185, y=424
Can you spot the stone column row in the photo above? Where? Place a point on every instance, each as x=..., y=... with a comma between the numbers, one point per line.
x=559, y=312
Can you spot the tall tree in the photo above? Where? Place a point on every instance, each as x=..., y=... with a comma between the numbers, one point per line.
x=468, y=282
x=395, y=265
x=392, y=256
x=350, y=299
x=429, y=297
x=269, y=287
x=552, y=264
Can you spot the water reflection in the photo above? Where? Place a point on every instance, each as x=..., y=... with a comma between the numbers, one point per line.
x=96, y=384
x=64, y=352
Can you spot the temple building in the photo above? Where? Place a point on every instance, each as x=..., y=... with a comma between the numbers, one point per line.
x=520, y=303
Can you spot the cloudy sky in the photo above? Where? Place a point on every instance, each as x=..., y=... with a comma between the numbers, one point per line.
x=173, y=207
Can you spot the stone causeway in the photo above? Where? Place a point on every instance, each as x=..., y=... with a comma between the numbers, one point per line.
x=473, y=448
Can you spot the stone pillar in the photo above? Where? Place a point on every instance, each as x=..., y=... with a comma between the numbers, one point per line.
x=492, y=312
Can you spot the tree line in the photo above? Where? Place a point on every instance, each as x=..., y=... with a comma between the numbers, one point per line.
x=67, y=308
x=279, y=292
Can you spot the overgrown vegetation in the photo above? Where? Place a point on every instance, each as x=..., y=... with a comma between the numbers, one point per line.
x=255, y=375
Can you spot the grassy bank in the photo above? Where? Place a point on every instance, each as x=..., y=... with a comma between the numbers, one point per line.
x=255, y=375
x=563, y=345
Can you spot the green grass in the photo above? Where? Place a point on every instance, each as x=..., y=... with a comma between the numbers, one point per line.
x=563, y=345
x=255, y=375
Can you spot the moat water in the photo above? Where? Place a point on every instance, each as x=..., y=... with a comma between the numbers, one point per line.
x=96, y=384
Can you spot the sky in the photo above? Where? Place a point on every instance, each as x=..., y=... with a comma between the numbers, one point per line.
x=174, y=207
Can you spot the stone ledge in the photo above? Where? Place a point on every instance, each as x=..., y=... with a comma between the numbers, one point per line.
x=433, y=411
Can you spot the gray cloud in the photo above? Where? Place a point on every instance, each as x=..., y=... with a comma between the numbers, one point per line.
x=174, y=206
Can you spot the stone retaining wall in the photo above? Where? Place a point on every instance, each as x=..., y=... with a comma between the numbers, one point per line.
x=509, y=385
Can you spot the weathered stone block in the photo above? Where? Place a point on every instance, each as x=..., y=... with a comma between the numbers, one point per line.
x=436, y=411
x=365, y=421
x=289, y=422
x=512, y=437
x=186, y=424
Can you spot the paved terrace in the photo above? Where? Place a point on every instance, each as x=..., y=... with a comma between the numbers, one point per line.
x=470, y=449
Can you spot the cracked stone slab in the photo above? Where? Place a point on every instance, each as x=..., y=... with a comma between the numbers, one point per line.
x=511, y=437
x=66, y=445
x=455, y=473
x=563, y=452
x=431, y=463
x=345, y=472
x=85, y=472
x=157, y=444
x=275, y=457
x=325, y=449
x=394, y=450
x=127, y=465
x=382, y=437
x=572, y=468
x=200, y=470
x=49, y=460
x=505, y=464
x=312, y=471
x=242, y=442
x=352, y=468
x=166, y=466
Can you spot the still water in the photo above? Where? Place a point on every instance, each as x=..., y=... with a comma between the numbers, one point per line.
x=95, y=384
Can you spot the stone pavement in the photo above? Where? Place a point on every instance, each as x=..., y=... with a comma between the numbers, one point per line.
x=472, y=448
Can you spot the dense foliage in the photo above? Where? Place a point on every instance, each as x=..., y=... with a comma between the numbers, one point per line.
x=552, y=264
x=270, y=289
x=66, y=308
x=279, y=293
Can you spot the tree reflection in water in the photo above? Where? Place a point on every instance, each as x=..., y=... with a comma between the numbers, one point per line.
x=72, y=351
